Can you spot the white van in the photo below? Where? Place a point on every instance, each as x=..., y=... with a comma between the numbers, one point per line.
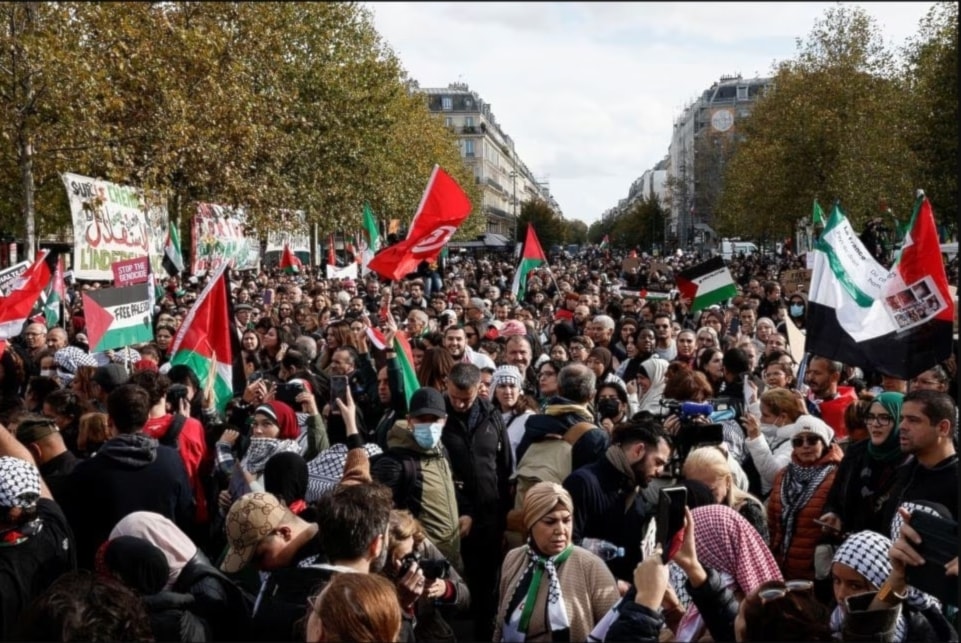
x=732, y=248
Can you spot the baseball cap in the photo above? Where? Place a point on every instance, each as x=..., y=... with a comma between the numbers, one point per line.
x=249, y=521
x=110, y=376
x=427, y=401
x=32, y=429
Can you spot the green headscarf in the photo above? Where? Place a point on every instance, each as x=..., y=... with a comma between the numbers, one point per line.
x=890, y=449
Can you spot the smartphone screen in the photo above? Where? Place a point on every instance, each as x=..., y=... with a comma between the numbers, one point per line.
x=670, y=520
x=338, y=391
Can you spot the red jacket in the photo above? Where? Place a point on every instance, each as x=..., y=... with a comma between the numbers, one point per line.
x=192, y=447
x=832, y=411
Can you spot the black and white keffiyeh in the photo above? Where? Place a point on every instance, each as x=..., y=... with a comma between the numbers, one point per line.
x=797, y=487
x=19, y=483
x=68, y=359
x=525, y=595
x=327, y=470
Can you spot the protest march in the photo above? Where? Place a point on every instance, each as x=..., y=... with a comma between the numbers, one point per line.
x=319, y=435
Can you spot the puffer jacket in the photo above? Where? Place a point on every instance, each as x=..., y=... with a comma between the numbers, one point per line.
x=798, y=561
x=425, y=487
x=221, y=602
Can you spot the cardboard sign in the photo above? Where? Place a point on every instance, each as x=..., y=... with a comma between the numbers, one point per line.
x=630, y=263
x=130, y=272
x=10, y=275
x=795, y=280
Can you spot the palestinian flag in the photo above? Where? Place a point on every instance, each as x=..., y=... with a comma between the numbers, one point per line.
x=204, y=340
x=289, y=262
x=173, y=261
x=26, y=290
x=531, y=258
x=605, y=243
x=817, y=214
x=53, y=297
x=706, y=283
x=898, y=322
x=405, y=359
x=118, y=317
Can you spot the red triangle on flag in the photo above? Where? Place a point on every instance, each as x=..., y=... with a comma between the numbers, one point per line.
x=97, y=320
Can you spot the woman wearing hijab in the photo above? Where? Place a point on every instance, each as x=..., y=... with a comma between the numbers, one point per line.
x=862, y=564
x=798, y=496
x=601, y=362
x=218, y=600
x=551, y=589
x=273, y=429
x=651, y=378
x=868, y=470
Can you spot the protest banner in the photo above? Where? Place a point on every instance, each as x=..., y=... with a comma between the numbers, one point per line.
x=111, y=223
x=347, y=272
x=9, y=275
x=795, y=281
x=293, y=233
x=130, y=272
x=219, y=235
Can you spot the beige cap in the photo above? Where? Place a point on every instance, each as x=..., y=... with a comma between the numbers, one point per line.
x=249, y=521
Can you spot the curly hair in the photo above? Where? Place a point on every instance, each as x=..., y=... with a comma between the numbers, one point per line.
x=83, y=606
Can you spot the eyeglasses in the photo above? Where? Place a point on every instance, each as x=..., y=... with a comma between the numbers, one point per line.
x=809, y=440
x=880, y=418
x=775, y=593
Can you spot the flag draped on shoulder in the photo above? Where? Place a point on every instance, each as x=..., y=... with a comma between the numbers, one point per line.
x=405, y=359
x=204, y=343
x=289, y=262
x=706, y=284
x=532, y=257
x=173, y=261
x=896, y=321
x=442, y=209
x=16, y=307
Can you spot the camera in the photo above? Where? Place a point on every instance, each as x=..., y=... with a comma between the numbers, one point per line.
x=431, y=567
x=693, y=431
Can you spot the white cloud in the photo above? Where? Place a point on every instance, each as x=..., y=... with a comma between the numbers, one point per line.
x=589, y=91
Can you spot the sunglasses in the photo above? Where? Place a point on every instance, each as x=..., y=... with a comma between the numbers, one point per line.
x=775, y=593
x=809, y=440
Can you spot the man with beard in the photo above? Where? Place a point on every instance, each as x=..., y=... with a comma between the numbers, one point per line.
x=455, y=341
x=606, y=494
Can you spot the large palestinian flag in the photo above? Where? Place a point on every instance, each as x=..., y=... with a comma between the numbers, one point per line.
x=204, y=340
x=118, y=317
x=531, y=258
x=897, y=321
x=26, y=290
x=706, y=284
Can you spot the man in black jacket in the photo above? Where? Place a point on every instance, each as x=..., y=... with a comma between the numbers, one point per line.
x=480, y=455
x=131, y=472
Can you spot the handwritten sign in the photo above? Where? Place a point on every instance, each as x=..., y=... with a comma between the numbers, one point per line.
x=9, y=275
x=130, y=272
x=795, y=281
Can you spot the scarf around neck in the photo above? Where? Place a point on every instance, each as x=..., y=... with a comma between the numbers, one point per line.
x=797, y=489
x=525, y=596
x=616, y=456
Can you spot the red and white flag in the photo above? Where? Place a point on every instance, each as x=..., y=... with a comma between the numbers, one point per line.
x=16, y=307
x=442, y=209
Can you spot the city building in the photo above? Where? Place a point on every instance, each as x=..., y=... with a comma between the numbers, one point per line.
x=506, y=180
x=704, y=137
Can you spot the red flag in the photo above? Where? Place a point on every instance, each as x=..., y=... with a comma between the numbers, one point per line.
x=16, y=307
x=331, y=253
x=289, y=262
x=442, y=209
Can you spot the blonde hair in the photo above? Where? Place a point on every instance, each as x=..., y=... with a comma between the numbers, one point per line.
x=93, y=428
x=359, y=607
x=714, y=460
x=782, y=400
x=403, y=525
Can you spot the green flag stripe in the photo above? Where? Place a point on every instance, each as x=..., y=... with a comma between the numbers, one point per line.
x=201, y=366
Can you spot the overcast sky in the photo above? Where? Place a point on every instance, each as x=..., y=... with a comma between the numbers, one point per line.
x=589, y=91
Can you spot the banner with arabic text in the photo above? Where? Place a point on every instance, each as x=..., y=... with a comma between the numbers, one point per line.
x=219, y=235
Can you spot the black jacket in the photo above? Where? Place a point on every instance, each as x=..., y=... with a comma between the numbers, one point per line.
x=221, y=602
x=172, y=618
x=129, y=473
x=717, y=604
x=635, y=622
x=482, y=461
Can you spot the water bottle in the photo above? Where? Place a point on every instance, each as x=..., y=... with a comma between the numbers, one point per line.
x=602, y=548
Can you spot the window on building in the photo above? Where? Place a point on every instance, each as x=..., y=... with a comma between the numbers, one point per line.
x=448, y=121
x=742, y=92
x=468, y=147
x=446, y=103
x=469, y=121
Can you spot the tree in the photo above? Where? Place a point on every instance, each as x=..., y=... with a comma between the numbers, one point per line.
x=829, y=128
x=551, y=229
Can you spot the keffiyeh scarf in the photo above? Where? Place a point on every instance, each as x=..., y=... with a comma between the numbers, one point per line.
x=261, y=450
x=521, y=606
x=866, y=552
x=797, y=488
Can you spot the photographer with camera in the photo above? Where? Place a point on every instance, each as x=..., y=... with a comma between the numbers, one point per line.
x=445, y=592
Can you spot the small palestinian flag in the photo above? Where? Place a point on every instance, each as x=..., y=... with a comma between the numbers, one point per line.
x=605, y=242
x=405, y=359
x=532, y=257
x=289, y=262
x=706, y=283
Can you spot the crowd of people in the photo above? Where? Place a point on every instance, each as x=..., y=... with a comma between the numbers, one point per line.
x=494, y=483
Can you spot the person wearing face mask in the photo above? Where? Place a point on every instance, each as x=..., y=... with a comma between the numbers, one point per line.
x=417, y=469
x=769, y=435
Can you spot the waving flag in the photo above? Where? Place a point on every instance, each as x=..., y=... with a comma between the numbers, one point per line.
x=173, y=260
x=117, y=317
x=817, y=214
x=203, y=342
x=370, y=243
x=531, y=257
x=405, y=359
x=442, y=209
x=898, y=322
x=53, y=297
x=289, y=262
x=605, y=243
x=16, y=307
x=706, y=283
x=331, y=252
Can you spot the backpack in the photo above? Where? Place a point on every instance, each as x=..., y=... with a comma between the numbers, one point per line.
x=171, y=437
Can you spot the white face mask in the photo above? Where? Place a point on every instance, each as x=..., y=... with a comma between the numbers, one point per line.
x=48, y=373
x=427, y=435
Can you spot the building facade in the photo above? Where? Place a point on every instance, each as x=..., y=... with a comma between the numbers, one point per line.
x=703, y=139
x=505, y=179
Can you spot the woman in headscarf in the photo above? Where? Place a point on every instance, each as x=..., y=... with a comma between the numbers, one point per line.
x=868, y=470
x=158, y=530
x=862, y=564
x=651, y=379
x=273, y=429
x=798, y=496
x=551, y=589
x=601, y=362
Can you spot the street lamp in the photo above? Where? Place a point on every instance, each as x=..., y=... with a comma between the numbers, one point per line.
x=513, y=176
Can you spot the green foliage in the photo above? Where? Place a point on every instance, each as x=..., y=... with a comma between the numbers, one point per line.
x=551, y=228
x=640, y=225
